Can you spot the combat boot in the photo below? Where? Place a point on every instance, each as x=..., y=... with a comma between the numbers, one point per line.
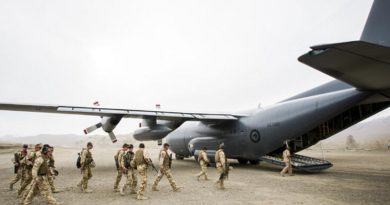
x=122, y=191
x=141, y=197
x=80, y=186
x=154, y=188
x=133, y=192
x=87, y=191
x=177, y=189
x=116, y=190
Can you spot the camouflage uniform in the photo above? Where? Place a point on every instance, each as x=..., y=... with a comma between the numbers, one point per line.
x=50, y=176
x=164, y=170
x=220, y=161
x=30, y=162
x=118, y=157
x=203, y=162
x=141, y=161
x=86, y=164
x=131, y=175
x=287, y=161
x=21, y=172
x=40, y=183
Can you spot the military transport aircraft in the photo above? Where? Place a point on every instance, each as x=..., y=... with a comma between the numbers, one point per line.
x=362, y=89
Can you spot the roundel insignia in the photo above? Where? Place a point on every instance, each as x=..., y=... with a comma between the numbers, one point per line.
x=255, y=136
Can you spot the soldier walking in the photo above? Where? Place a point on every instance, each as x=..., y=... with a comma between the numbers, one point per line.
x=129, y=170
x=203, y=162
x=40, y=184
x=165, y=169
x=120, y=170
x=20, y=166
x=221, y=164
x=86, y=163
x=52, y=170
x=287, y=161
x=141, y=161
x=30, y=163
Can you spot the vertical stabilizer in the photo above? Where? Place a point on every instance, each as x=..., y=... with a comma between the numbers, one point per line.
x=377, y=28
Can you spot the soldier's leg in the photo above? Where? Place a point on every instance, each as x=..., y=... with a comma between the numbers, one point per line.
x=126, y=184
x=18, y=176
x=157, y=180
x=168, y=173
x=220, y=171
x=50, y=179
x=30, y=193
x=25, y=184
x=45, y=190
x=204, y=169
x=87, y=176
x=285, y=169
x=84, y=181
x=290, y=169
x=133, y=182
x=118, y=179
x=143, y=174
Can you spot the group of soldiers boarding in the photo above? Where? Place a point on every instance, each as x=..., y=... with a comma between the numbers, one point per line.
x=36, y=170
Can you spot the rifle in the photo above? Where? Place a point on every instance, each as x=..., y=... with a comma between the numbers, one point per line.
x=151, y=164
x=226, y=169
x=170, y=161
x=17, y=162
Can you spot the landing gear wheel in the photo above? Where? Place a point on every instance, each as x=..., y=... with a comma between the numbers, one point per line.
x=179, y=157
x=254, y=162
x=242, y=161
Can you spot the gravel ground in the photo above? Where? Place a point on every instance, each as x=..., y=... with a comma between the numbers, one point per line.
x=360, y=177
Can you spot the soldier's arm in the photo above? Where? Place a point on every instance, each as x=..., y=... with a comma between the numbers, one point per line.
x=222, y=157
x=38, y=162
x=162, y=157
x=205, y=158
x=83, y=157
x=121, y=160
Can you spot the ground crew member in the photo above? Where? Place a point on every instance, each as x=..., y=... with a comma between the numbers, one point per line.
x=30, y=163
x=165, y=169
x=129, y=170
x=52, y=171
x=19, y=161
x=87, y=163
x=40, y=184
x=203, y=162
x=221, y=160
x=118, y=158
x=287, y=161
x=141, y=161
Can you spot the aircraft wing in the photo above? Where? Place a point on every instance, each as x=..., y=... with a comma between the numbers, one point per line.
x=126, y=113
x=363, y=65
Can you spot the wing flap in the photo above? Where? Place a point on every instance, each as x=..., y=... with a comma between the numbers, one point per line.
x=358, y=63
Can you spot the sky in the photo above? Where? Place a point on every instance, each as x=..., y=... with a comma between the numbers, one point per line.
x=201, y=56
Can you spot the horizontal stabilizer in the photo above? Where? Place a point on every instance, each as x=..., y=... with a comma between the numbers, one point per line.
x=363, y=65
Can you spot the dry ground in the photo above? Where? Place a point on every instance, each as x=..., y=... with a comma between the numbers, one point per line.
x=356, y=178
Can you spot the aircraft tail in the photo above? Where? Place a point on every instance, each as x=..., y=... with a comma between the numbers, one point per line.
x=364, y=64
x=377, y=28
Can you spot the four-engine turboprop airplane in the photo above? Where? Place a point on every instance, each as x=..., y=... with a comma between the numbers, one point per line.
x=362, y=89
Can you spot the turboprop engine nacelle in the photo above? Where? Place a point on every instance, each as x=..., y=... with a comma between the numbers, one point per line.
x=149, y=133
x=108, y=124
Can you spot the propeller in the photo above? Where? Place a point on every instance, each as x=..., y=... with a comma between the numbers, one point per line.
x=108, y=124
x=93, y=128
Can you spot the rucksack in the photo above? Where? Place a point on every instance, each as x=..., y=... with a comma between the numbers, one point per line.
x=78, y=162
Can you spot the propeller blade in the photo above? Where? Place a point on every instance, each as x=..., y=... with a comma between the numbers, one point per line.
x=93, y=128
x=112, y=137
